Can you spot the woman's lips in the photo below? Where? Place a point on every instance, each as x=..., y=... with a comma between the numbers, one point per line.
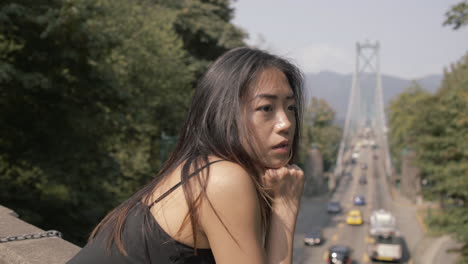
x=284, y=143
x=282, y=147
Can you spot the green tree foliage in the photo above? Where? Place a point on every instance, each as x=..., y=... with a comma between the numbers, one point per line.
x=457, y=16
x=455, y=86
x=319, y=131
x=86, y=90
x=443, y=154
x=53, y=102
x=436, y=127
x=403, y=113
x=205, y=29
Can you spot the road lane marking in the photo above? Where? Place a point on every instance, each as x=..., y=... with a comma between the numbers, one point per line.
x=335, y=237
x=365, y=258
x=369, y=240
x=325, y=255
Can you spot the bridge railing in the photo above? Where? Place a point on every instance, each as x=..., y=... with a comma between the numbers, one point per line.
x=50, y=250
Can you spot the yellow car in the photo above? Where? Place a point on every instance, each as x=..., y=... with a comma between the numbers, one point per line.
x=354, y=217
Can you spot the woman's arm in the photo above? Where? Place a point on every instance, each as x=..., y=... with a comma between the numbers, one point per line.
x=232, y=222
x=286, y=184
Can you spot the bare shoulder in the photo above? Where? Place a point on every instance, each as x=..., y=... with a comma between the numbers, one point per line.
x=228, y=176
x=230, y=190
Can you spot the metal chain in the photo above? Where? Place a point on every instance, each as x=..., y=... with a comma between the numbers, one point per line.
x=50, y=233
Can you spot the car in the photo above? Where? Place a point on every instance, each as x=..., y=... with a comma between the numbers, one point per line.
x=363, y=180
x=339, y=254
x=333, y=207
x=313, y=238
x=354, y=217
x=359, y=200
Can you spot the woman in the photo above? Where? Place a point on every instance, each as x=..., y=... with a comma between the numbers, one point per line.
x=227, y=194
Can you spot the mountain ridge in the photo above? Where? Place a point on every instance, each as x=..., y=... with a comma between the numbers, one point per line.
x=335, y=87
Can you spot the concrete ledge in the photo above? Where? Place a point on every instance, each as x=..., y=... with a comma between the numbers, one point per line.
x=43, y=250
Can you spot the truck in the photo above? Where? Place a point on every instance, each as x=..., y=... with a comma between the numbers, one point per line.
x=386, y=244
x=386, y=249
x=383, y=223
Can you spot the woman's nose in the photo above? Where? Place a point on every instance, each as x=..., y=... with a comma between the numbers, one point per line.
x=283, y=123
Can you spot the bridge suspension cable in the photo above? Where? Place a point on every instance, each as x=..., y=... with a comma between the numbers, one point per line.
x=365, y=115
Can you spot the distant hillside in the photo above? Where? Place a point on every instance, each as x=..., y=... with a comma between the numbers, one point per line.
x=335, y=88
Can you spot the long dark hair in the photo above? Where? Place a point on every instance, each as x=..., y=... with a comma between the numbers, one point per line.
x=214, y=127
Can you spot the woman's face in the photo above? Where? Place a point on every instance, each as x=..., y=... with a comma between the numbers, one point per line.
x=270, y=108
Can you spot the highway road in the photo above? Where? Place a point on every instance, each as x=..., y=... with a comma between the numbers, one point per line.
x=313, y=213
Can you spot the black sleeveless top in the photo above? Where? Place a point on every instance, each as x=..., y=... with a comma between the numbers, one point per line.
x=155, y=247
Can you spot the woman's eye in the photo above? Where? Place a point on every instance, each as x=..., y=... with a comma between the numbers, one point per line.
x=292, y=108
x=265, y=108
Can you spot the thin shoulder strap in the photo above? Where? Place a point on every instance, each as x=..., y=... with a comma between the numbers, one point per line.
x=164, y=195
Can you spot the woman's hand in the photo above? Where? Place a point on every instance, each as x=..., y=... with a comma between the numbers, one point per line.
x=285, y=184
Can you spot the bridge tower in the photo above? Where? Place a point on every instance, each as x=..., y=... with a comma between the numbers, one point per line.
x=365, y=107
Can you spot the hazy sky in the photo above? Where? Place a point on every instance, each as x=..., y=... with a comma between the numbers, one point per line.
x=322, y=34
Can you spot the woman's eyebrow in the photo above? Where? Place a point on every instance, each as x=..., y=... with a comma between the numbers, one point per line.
x=272, y=96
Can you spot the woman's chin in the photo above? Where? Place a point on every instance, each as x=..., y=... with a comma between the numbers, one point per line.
x=276, y=164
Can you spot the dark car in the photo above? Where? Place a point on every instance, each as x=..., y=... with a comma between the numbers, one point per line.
x=359, y=200
x=339, y=254
x=313, y=238
x=363, y=180
x=333, y=207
